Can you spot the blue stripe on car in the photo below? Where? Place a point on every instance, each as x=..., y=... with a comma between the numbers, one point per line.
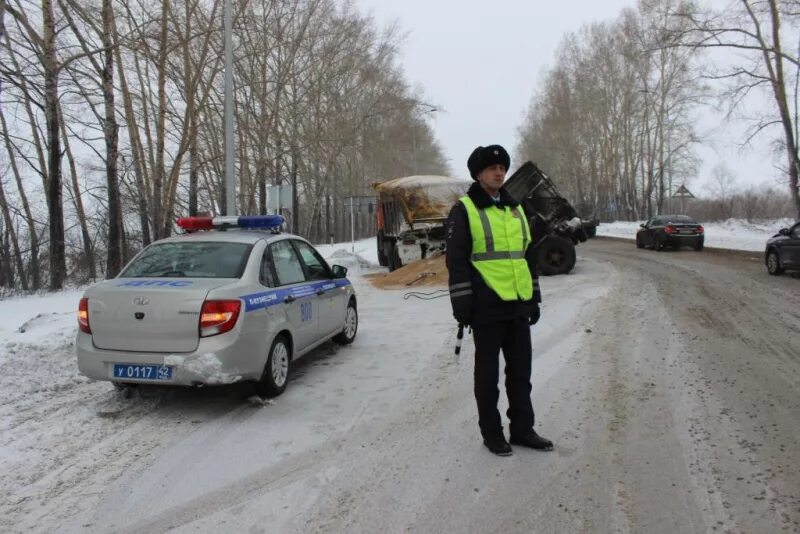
x=156, y=283
x=265, y=299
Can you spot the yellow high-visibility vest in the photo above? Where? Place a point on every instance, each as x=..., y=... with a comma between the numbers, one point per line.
x=500, y=237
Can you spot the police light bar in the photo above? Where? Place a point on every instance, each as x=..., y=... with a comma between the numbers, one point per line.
x=192, y=224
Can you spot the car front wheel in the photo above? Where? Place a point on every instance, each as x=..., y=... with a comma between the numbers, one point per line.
x=774, y=263
x=348, y=333
x=276, y=371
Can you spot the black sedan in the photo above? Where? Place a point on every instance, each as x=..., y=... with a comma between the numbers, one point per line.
x=783, y=250
x=674, y=231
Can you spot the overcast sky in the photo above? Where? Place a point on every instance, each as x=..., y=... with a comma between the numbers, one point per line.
x=481, y=62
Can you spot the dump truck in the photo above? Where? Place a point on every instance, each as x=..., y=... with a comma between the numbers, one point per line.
x=555, y=224
x=411, y=213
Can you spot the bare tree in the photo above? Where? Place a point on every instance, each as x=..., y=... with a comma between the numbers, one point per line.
x=753, y=28
x=320, y=103
x=723, y=188
x=612, y=122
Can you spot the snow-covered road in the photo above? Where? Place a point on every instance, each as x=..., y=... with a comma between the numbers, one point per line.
x=668, y=382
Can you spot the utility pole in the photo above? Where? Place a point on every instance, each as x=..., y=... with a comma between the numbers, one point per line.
x=428, y=110
x=230, y=179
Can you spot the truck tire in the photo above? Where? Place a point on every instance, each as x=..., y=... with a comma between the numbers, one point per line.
x=394, y=257
x=591, y=231
x=382, y=260
x=556, y=255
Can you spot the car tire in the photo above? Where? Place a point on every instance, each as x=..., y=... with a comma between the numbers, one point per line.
x=699, y=246
x=657, y=244
x=556, y=255
x=276, y=371
x=350, y=328
x=639, y=243
x=774, y=263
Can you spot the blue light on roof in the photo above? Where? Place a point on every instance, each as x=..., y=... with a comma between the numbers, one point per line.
x=261, y=221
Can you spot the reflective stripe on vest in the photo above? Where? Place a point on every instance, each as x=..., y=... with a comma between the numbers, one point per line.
x=500, y=237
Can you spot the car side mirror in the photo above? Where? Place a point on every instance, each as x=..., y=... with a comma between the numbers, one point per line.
x=339, y=271
x=783, y=231
x=642, y=225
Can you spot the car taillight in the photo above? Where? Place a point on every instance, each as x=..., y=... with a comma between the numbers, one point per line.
x=669, y=229
x=700, y=229
x=83, y=315
x=218, y=316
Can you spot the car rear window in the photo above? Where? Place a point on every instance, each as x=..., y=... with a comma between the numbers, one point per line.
x=680, y=219
x=197, y=259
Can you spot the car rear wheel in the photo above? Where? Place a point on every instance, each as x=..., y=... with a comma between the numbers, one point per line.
x=699, y=246
x=657, y=244
x=276, y=371
x=774, y=263
x=348, y=333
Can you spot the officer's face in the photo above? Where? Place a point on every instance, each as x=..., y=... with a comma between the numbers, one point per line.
x=492, y=177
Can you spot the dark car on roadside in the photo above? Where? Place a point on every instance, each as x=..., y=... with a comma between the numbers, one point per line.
x=673, y=231
x=783, y=250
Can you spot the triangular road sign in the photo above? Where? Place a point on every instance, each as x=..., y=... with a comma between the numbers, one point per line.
x=682, y=192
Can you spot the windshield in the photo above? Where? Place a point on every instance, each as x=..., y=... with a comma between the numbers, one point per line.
x=196, y=259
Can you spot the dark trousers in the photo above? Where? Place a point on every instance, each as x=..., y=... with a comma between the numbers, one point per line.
x=514, y=338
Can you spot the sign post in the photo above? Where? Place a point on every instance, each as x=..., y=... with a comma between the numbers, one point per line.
x=682, y=193
x=279, y=196
x=356, y=203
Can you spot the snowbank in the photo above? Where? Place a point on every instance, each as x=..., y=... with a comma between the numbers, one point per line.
x=362, y=255
x=735, y=234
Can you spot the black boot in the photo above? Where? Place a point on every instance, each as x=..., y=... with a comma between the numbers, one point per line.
x=498, y=445
x=533, y=440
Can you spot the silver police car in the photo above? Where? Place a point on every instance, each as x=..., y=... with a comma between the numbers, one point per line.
x=233, y=299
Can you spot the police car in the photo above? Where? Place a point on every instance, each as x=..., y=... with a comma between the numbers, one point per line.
x=232, y=299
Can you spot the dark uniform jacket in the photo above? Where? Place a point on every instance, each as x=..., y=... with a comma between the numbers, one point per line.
x=482, y=305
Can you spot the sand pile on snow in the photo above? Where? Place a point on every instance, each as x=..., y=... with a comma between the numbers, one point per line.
x=427, y=272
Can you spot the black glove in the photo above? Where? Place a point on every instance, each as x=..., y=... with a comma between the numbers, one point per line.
x=463, y=316
x=533, y=318
x=462, y=309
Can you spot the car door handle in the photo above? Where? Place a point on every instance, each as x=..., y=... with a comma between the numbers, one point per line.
x=289, y=299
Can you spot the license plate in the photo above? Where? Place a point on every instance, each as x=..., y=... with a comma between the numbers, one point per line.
x=142, y=372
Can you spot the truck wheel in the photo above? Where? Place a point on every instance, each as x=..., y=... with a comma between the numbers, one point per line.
x=591, y=231
x=556, y=255
x=382, y=260
x=394, y=257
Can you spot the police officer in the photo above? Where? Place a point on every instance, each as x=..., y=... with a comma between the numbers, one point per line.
x=494, y=289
